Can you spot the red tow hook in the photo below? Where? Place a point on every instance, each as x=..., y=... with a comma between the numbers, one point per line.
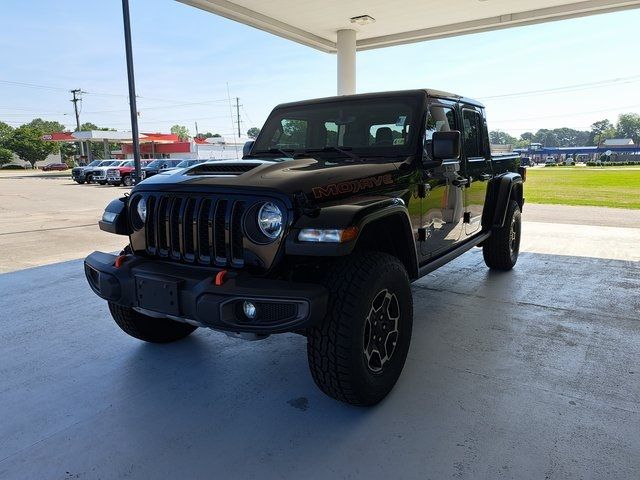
x=220, y=278
x=119, y=261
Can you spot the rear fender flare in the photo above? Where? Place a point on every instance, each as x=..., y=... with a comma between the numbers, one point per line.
x=501, y=189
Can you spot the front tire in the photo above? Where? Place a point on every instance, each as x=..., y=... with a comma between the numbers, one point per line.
x=502, y=248
x=149, y=329
x=102, y=183
x=79, y=182
x=127, y=181
x=357, y=353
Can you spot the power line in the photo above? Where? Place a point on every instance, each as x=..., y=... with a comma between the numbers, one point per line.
x=572, y=114
x=107, y=94
x=568, y=88
x=164, y=107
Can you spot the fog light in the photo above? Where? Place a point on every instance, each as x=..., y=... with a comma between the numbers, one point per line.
x=249, y=310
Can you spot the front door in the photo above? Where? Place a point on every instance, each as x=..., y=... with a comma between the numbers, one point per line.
x=476, y=166
x=442, y=207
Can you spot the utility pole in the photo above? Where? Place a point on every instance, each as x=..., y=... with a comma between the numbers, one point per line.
x=77, y=98
x=132, y=89
x=195, y=140
x=238, y=115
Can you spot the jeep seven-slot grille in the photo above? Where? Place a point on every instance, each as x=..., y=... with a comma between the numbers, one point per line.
x=204, y=230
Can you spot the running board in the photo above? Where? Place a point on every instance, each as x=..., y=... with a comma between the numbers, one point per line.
x=450, y=255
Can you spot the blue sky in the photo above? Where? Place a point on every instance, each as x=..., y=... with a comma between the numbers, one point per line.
x=184, y=55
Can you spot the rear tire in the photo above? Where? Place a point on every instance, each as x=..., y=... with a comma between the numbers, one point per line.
x=149, y=329
x=357, y=353
x=502, y=248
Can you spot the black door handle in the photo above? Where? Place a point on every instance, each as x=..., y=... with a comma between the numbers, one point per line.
x=460, y=182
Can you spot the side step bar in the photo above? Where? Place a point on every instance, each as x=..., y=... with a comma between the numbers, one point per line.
x=450, y=255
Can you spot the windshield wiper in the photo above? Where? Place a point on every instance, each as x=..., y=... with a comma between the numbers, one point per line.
x=331, y=148
x=286, y=153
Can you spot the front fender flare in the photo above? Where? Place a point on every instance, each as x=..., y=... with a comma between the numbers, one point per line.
x=348, y=215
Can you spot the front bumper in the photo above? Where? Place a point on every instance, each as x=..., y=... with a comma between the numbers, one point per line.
x=78, y=176
x=189, y=293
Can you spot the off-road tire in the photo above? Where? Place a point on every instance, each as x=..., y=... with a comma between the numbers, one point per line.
x=502, y=248
x=336, y=346
x=149, y=329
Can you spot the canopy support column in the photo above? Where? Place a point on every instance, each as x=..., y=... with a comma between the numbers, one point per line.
x=346, y=62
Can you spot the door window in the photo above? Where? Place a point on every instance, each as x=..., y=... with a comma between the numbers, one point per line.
x=472, y=133
x=439, y=119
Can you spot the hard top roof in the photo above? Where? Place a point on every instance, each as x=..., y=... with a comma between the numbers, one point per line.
x=398, y=93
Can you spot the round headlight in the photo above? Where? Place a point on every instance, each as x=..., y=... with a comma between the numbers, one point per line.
x=141, y=208
x=270, y=220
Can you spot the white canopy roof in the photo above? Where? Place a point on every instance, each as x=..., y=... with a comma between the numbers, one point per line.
x=101, y=135
x=315, y=23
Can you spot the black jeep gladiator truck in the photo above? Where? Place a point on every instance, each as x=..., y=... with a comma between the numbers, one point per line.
x=338, y=205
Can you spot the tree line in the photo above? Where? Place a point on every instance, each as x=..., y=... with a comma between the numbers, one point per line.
x=627, y=126
x=26, y=141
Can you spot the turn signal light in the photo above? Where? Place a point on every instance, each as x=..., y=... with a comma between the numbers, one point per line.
x=329, y=235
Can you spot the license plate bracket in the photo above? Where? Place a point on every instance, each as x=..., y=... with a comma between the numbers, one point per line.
x=159, y=294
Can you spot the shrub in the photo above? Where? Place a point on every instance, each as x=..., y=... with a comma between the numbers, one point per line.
x=12, y=166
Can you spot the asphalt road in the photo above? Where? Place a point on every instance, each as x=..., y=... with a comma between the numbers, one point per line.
x=48, y=219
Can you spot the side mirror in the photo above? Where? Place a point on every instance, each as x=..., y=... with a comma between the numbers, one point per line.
x=445, y=145
x=246, y=148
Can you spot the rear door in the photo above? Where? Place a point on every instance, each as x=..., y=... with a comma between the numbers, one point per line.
x=476, y=165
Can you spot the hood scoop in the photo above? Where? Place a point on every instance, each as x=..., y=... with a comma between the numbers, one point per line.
x=222, y=168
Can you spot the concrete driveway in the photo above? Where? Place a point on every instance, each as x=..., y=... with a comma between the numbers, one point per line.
x=531, y=374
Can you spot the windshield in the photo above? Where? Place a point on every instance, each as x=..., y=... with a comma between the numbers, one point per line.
x=128, y=164
x=362, y=127
x=187, y=163
x=107, y=164
x=156, y=164
x=94, y=163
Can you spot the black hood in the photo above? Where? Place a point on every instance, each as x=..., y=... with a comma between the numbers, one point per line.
x=319, y=179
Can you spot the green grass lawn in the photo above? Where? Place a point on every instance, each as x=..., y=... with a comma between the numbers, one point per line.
x=601, y=187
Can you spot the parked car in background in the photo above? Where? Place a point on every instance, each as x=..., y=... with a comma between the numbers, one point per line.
x=160, y=164
x=550, y=161
x=99, y=174
x=55, y=166
x=525, y=162
x=78, y=174
x=123, y=174
x=184, y=164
